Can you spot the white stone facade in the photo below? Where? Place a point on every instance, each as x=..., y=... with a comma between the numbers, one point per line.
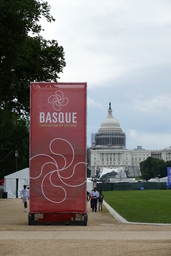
x=113, y=158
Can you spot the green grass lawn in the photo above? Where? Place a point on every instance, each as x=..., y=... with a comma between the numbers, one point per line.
x=151, y=206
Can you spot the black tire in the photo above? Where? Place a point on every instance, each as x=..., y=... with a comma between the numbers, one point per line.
x=30, y=218
x=85, y=219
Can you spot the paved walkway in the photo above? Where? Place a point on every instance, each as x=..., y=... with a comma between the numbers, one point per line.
x=86, y=235
x=108, y=235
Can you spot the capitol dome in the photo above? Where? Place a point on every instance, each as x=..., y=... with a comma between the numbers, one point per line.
x=110, y=124
x=110, y=133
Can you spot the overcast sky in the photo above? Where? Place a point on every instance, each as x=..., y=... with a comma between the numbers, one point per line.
x=122, y=49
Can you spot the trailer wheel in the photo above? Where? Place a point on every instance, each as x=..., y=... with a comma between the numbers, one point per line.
x=85, y=219
x=30, y=218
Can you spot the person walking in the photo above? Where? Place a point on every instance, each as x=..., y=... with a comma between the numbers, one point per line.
x=94, y=197
x=25, y=197
x=90, y=199
x=101, y=197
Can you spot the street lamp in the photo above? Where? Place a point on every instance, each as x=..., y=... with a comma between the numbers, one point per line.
x=16, y=155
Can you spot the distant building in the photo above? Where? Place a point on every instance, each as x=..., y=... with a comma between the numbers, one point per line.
x=110, y=133
x=108, y=150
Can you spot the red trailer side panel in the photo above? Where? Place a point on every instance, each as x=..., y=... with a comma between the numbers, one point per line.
x=58, y=148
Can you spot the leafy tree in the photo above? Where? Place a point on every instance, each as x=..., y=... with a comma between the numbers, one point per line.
x=88, y=173
x=146, y=168
x=88, y=169
x=153, y=167
x=25, y=56
x=28, y=56
x=14, y=134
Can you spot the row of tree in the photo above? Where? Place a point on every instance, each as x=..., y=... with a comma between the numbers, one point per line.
x=25, y=56
x=153, y=167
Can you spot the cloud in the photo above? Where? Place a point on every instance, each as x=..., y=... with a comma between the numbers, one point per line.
x=91, y=102
x=105, y=40
x=148, y=140
x=122, y=50
x=158, y=104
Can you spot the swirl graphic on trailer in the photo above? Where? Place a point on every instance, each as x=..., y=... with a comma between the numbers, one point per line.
x=57, y=167
x=58, y=100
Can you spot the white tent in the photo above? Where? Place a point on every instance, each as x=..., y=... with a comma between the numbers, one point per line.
x=89, y=185
x=119, y=171
x=157, y=179
x=106, y=171
x=13, y=183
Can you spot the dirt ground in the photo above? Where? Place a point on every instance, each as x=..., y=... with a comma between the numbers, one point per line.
x=103, y=235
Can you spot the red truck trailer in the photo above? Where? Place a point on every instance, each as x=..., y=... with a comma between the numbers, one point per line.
x=58, y=153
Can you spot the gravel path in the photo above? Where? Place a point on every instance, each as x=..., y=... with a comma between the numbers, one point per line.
x=103, y=235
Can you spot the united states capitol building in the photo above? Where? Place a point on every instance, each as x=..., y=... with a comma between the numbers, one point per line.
x=108, y=150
